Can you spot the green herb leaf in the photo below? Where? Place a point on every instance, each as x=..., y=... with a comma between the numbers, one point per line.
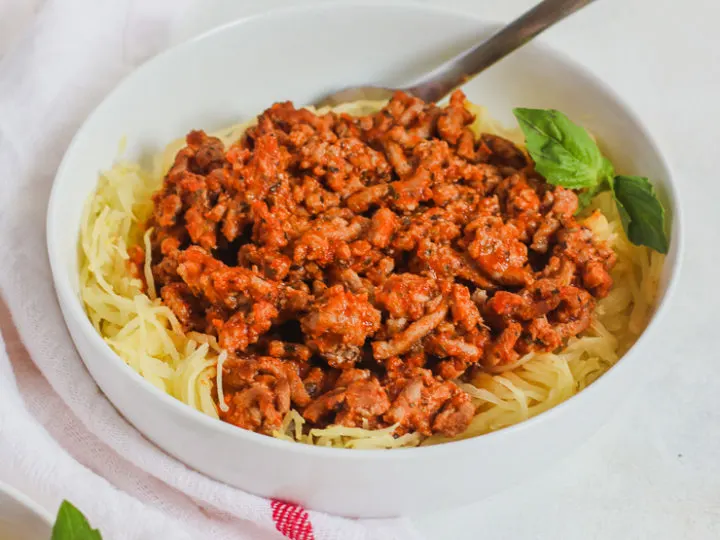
x=642, y=214
x=608, y=171
x=586, y=196
x=563, y=152
x=71, y=524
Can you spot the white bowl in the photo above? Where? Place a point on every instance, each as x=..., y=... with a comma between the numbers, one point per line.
x=21, y=518
x=236, y=71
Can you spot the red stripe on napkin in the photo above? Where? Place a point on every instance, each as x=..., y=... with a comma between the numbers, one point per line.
x=292, y=520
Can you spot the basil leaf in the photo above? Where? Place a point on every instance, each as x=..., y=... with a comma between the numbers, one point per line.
x=586, y=196
x=607, y=172
x=71, y=524
x=563, y=152
x=641, y=213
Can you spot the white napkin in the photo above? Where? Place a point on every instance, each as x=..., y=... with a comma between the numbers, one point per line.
x=59, y=436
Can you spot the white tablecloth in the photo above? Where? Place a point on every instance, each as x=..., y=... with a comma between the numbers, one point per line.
x=653, y=471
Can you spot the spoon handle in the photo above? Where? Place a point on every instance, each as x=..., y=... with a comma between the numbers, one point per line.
x=451, y=74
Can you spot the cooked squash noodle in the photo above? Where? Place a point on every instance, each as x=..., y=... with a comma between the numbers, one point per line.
x=139, y=328
x=146, y=334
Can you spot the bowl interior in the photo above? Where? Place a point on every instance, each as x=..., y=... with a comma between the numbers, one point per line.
x=235, y=72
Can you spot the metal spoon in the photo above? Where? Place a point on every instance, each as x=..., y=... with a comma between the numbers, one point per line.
x=439, y=82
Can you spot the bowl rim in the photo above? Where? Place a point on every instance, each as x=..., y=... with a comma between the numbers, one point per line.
x=26, y=502
x=73, y=308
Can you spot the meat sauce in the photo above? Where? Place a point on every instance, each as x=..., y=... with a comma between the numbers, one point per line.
x=355, y=268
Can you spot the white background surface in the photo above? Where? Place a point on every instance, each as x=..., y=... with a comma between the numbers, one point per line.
x=654, y=471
